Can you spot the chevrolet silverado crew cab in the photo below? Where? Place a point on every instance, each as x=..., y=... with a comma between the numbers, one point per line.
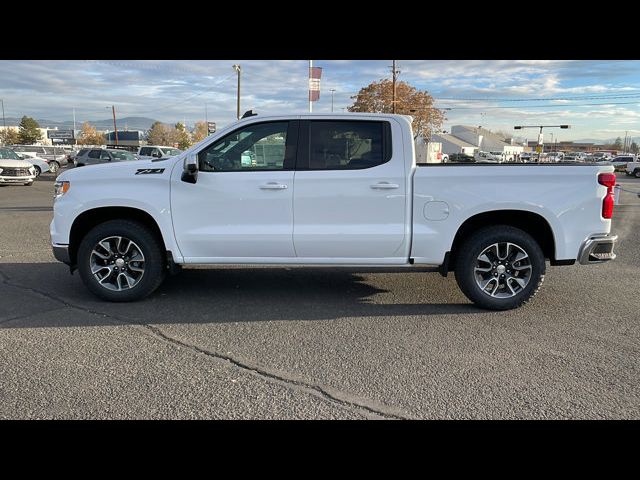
x=340, y=190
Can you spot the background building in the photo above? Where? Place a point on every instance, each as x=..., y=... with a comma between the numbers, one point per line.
x=468, y=139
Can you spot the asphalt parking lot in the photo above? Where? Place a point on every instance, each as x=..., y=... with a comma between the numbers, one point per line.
x=312, y=343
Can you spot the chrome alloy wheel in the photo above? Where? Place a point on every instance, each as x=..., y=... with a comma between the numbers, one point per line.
x=117, y=263
x=503, y=270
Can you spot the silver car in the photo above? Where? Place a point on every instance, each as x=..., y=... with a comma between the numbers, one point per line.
x=55, y=156
x=94, y=156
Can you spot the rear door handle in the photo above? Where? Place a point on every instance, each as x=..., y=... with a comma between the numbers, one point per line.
x=273, y=186
x=385, y=186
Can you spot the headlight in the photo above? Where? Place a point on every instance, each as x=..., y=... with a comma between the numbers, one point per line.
x=32, y=171
x=0, y=170
x=60, y=188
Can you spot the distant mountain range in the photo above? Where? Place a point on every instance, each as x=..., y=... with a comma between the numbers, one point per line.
x=124, y=123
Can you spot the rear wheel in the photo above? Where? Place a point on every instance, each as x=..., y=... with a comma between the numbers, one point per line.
x=54, y=167
x=636, y=173
x=500, y=267
x=37, y=169
x=121, y=261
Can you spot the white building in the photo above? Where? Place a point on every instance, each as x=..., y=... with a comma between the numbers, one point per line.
x=452, y=144
x=467, y=139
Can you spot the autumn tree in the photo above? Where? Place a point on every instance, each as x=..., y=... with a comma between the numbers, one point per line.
x=9, y=136
x=200, y=131
x=90, y=136
x=183, y=139
x=29, y=132
x=161, y=134
x=377, y=97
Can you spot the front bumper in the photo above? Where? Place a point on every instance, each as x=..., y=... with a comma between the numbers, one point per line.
x=597, y=249
x=17, y=179
x=61, y=252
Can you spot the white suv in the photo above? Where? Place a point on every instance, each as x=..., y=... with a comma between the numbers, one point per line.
x=13, y=170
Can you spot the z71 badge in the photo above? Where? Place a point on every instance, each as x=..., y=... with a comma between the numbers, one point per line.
x=145, y=171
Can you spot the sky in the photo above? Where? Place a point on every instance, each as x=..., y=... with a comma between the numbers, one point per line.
x=599, y=99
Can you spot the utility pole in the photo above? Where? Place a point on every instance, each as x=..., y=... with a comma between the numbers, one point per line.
x=310, y=102
x=115, y=129
x=4, y=122
x=625, y=141
x=332, y=90
x=238, y=70
x=394, y=72
x=206, y=117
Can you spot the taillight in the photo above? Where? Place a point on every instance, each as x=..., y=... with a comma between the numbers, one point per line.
x=609, y=181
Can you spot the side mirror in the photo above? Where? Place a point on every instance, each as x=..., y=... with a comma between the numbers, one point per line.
x=190, y=170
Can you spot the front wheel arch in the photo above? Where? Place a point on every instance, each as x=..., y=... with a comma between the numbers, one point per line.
x=90, y=218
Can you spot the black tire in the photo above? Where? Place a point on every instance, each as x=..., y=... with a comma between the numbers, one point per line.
x=636, y=173
x=150, y=246
x=38, y=171
x=469, y=251
x=54, y=167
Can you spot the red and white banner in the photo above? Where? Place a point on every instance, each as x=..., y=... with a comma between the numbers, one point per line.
x=314, y=83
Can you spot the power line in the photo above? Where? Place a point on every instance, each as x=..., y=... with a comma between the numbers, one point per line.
x=542, y=106
x=542, y=99
x=189, y=98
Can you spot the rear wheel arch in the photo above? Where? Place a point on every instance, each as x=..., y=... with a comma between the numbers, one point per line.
x=89, y=219
x=532, y=223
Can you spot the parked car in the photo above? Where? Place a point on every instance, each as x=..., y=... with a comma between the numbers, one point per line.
x=633, y=168
x=55, y=156
x=40, y=164
x=80, y=153
x=157, y=151
x=14, y=170
x=461, y=158
x=94, y=156
x=487, y=157
x=620, y=162
x=353, y=196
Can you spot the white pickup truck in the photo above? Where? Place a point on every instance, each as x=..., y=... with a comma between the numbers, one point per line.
x=337, y=190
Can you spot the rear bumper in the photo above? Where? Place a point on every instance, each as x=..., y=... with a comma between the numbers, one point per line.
x=597, y=249
x=61, y=252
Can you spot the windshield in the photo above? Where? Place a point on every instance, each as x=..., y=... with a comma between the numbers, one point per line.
x=171, y=151
x=122, y=155
x=6, y=153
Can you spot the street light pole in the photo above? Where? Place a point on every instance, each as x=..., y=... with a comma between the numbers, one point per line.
x=332, y=90
x=540, y=137
x=238, y=69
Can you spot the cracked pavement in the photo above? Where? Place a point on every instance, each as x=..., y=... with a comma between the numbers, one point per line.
x=260, y=343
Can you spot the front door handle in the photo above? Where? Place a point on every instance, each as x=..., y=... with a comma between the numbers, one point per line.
x=385, y=186
x=273, y=186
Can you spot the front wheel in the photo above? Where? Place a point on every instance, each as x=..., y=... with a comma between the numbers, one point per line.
x=54, y=167
x=121, y=261
x=38, y=171
x=500, y=267
x=636, y=173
